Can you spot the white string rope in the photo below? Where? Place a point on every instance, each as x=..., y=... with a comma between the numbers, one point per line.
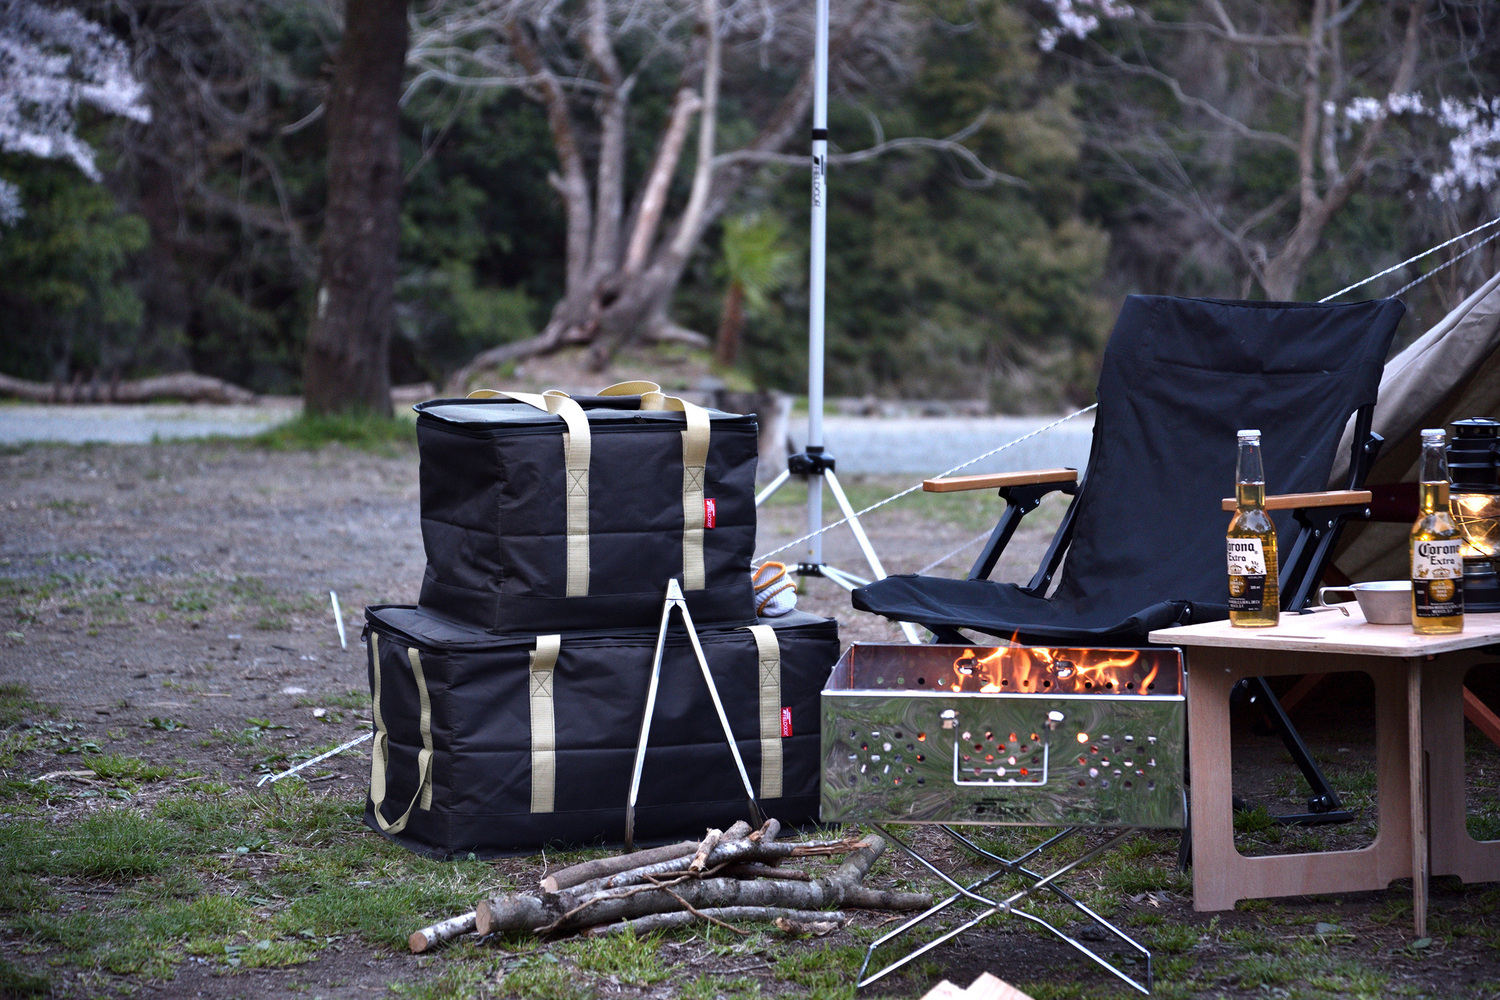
x=912, y=489
x=966, y=545
x=1411, y=284
x=1040, y=430
x=1413, y=260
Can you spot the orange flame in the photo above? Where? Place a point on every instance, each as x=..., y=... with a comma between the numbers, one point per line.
x=1017, y=669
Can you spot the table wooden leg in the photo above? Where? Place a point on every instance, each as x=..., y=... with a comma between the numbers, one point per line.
x=1221, y=875
x=1452, y=850
x=1416, y=782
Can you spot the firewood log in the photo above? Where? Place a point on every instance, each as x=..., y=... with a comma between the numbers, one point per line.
x=440, y=932
x=588, y=871
x=729, y=914
x=579, y=907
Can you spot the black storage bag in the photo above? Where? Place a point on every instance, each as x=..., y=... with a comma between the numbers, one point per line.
x=467, y=785
x=495, y=516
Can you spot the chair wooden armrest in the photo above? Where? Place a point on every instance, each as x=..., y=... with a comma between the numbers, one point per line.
x=998, y=480
x=1295, y=501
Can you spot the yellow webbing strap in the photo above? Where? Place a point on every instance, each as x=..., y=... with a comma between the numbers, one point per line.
x=769, y=652
x=543, y=724
x=576, y=450
x=695, y=440
x=380, y=757
x=637, y=388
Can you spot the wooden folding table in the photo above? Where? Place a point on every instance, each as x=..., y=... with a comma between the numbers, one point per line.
x=1419, y=711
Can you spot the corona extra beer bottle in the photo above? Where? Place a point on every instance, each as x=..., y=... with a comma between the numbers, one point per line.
x=1437, y=571
x=1254, y=597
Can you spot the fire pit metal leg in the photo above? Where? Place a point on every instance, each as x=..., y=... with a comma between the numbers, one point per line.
x=993, y=907
x=1067, y=897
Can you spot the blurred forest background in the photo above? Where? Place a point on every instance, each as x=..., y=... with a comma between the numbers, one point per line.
x=1037, y=160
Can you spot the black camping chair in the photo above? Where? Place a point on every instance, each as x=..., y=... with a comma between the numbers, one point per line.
x=1144, y=535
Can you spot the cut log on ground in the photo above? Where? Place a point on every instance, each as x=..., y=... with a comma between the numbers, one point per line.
x=187, y=387
x=440, y=932
x=728, y=914
x=592, y=904
x=726, y=853
x=588, y=871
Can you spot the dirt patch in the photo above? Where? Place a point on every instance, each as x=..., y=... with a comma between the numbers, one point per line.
x=172, y=603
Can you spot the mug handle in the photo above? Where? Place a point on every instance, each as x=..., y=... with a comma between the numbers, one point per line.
x=1324, y=591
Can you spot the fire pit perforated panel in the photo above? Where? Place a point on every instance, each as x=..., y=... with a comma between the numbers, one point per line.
x=1011, y=735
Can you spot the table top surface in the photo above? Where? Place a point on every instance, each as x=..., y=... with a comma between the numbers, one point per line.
x=1332, y=632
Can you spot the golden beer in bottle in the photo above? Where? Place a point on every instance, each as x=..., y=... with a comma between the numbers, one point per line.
x=1437, y=569
x=1254, y=597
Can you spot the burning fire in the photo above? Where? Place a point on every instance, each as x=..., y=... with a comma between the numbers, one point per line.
x=1031, y=669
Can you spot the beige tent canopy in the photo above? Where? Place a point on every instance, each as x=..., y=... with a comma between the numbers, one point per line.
x=1449, y=373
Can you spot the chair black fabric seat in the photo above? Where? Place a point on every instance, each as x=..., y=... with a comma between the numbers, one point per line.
x=991, y=606
x=1178, y=379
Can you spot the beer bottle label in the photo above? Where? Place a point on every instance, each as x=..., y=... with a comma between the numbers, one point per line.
x=1247, y=574
x=1437, y=578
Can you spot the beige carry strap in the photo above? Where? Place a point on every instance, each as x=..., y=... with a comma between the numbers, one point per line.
x=636, y=388
x=543, y=723
x=576, y=451
x=380, y=756
x=769, y=652
x=695, y=440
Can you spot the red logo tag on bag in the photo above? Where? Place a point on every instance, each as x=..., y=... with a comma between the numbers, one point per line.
x=786, y=723
x=710, y=512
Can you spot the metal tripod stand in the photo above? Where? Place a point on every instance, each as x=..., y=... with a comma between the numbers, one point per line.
x=813, y=465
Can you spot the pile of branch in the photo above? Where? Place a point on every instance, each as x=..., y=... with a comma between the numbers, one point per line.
x=731, y=876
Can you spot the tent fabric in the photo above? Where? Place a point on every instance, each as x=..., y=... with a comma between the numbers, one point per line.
x=1449, y=373
x=1179, y=378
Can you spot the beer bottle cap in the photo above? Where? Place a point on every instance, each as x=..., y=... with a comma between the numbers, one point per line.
x=1252, y=435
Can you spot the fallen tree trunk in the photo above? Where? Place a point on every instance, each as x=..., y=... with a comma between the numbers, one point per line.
x=187, y=387
x=577, y=908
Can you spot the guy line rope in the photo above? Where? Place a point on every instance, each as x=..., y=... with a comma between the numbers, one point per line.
x=1061, y=420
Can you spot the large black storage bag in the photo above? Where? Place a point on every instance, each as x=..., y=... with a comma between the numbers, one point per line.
x=481, y=749
x=530, y=527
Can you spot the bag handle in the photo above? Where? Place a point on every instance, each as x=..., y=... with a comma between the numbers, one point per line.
x=695, y=440
x=380, y=756
x=768, y=653
x=577, y=448
x=542, y=666
x=695, y=443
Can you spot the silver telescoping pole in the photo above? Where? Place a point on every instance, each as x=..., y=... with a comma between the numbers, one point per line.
x=817, y=269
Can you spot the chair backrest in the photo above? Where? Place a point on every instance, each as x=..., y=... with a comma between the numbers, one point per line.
x=1179, y=378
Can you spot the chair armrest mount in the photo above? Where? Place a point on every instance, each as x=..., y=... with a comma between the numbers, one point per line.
x=1298, y=501
x=999, y=480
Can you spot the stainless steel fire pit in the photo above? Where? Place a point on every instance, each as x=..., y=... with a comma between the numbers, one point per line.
x=1010, y=735
x=1004, y=735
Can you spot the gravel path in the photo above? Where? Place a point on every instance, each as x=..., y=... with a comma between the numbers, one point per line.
x=29, y=423
x=920, y=446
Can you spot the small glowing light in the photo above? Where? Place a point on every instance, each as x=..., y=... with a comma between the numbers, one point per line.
x=1083, y=737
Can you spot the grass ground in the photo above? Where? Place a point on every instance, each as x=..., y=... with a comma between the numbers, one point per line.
x=165, y=639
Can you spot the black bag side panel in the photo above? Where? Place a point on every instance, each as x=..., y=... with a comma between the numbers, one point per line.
x=461, y=478
x=495, y=529
x=482, y=734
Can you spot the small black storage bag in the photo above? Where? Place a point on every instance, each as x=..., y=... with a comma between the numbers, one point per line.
x=487, y=744
x=546, y=513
